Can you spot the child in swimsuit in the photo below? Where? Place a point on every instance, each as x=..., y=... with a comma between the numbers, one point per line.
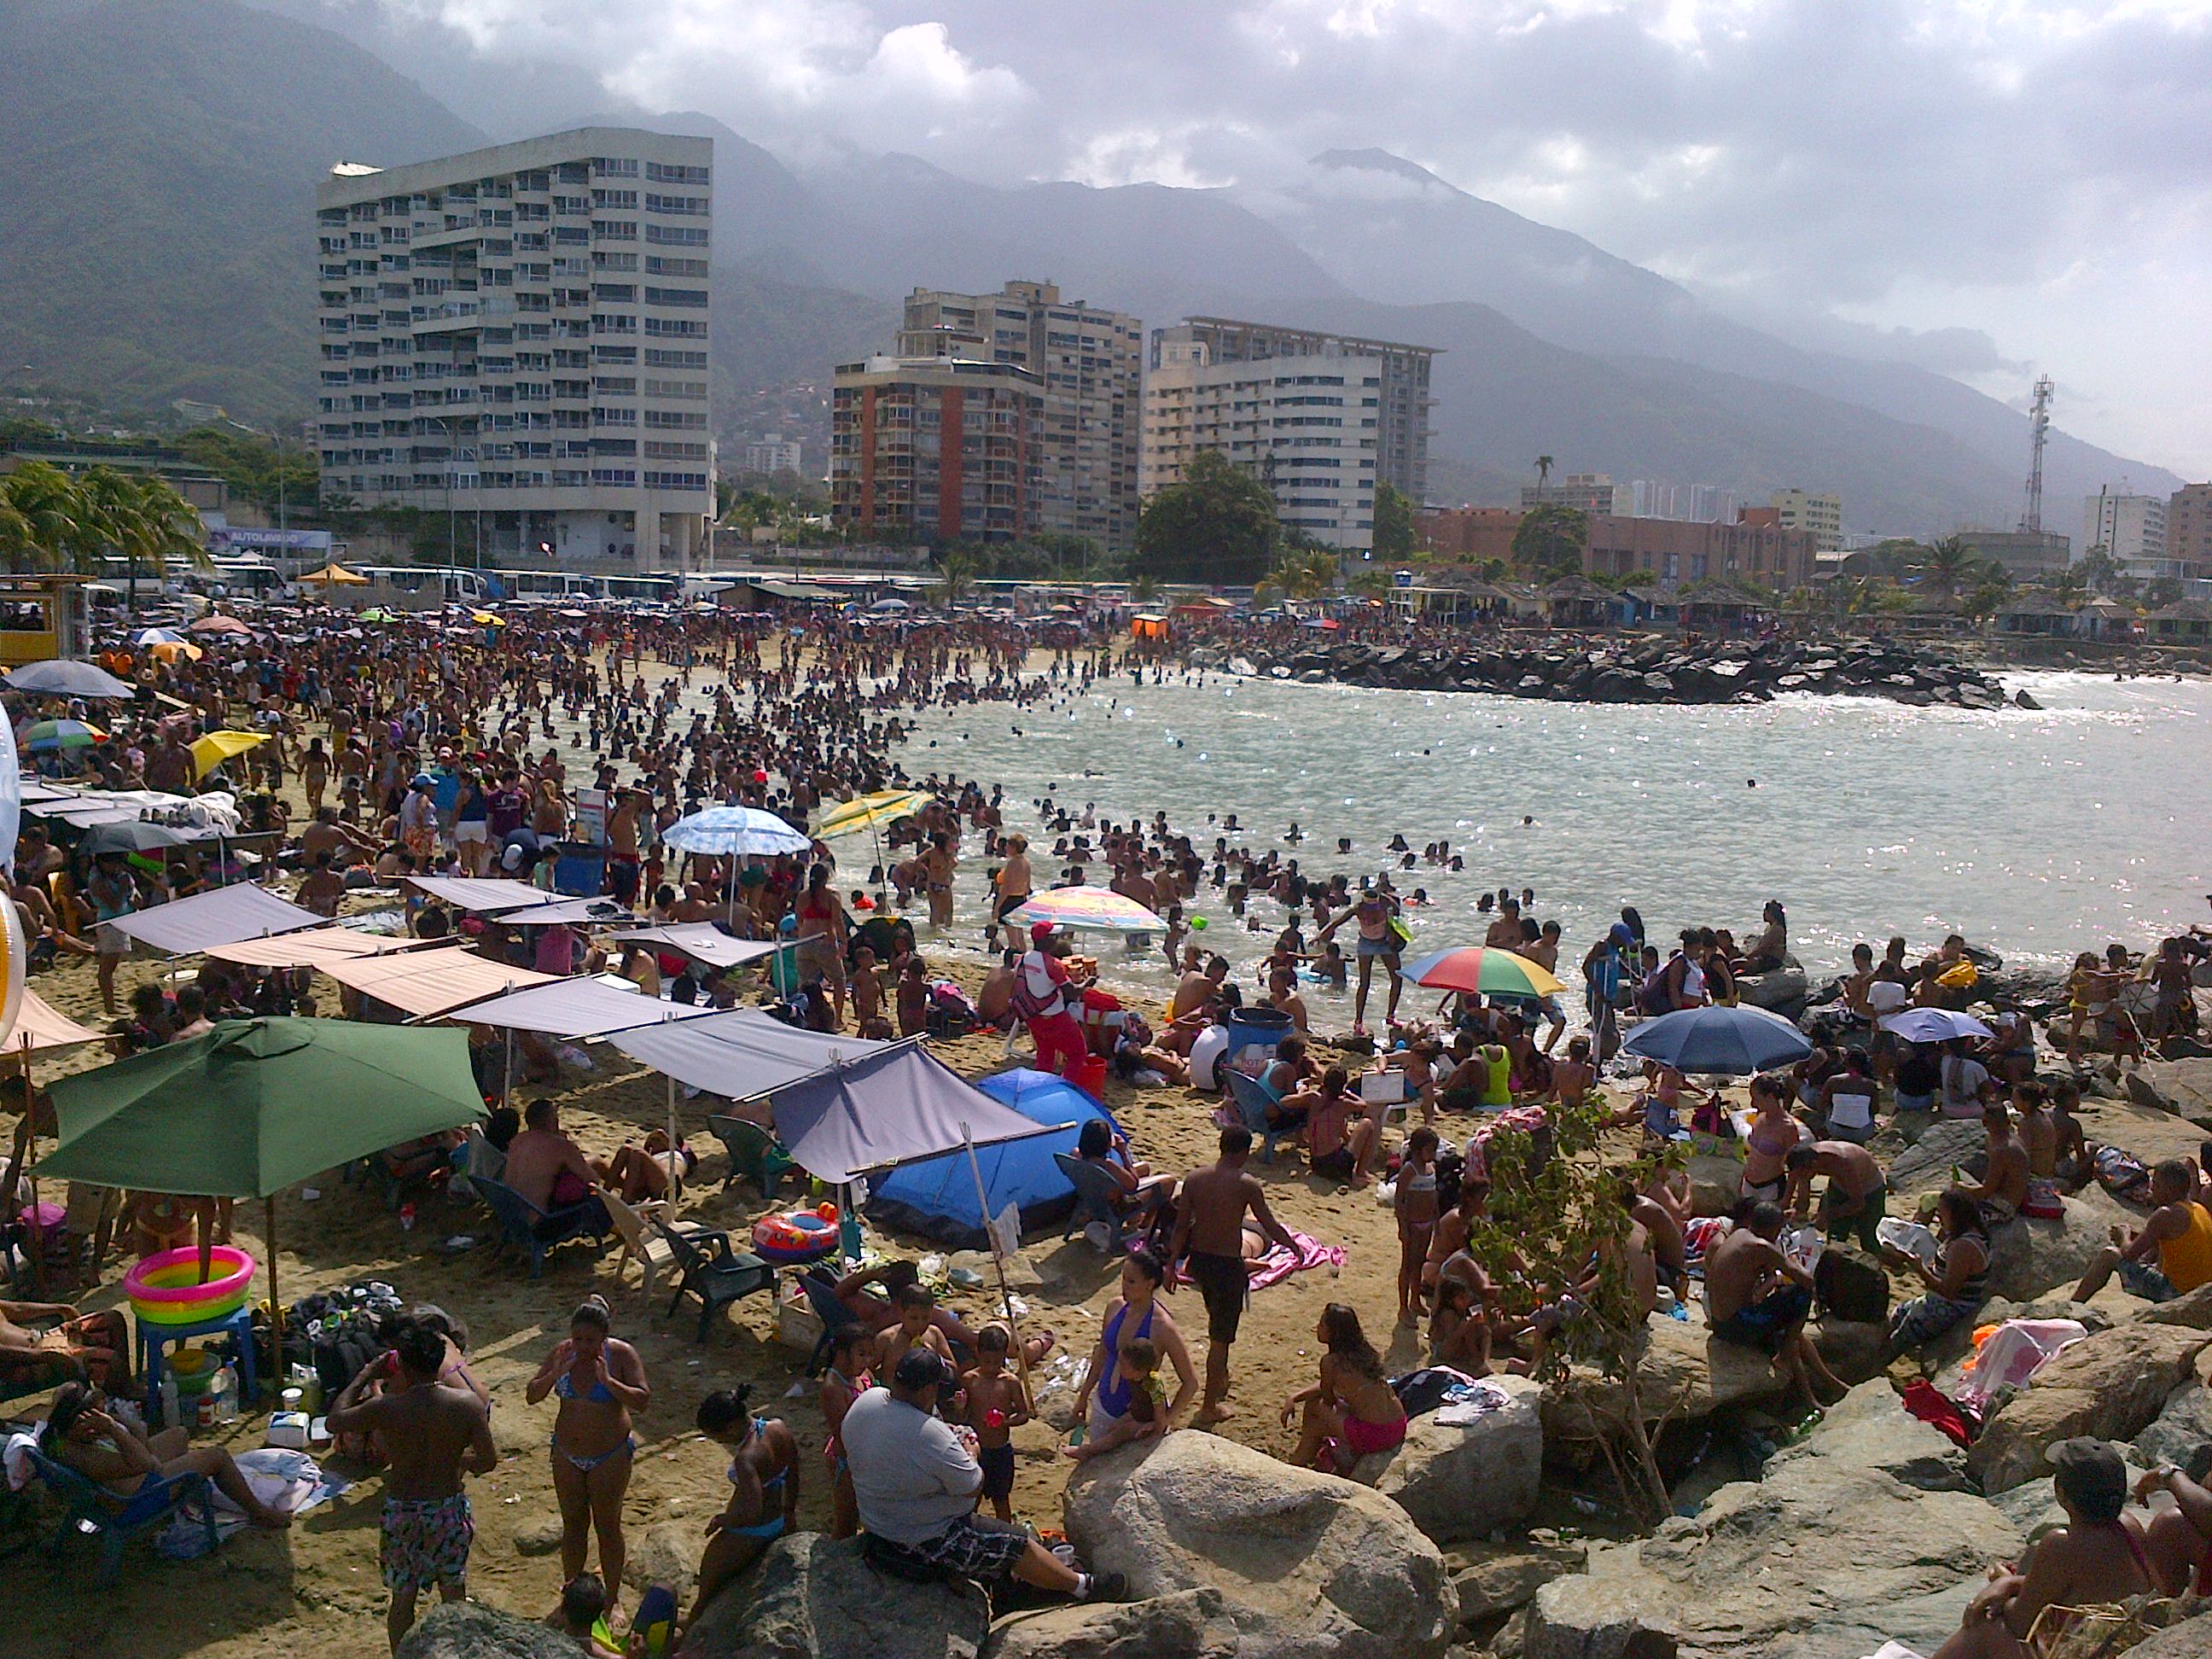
x=996, y=1404
x=1136, y=1369
x=763, y=1488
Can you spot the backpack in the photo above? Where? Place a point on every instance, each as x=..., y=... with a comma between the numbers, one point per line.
x=1849, y=1287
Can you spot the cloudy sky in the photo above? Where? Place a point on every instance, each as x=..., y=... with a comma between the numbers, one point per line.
x=2021, y=186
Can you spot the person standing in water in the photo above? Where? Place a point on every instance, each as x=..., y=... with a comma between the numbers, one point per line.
x=1376, y=917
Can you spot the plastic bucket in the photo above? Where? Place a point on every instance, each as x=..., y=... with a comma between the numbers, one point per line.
x=1089, y=1074
x=1255, y=1028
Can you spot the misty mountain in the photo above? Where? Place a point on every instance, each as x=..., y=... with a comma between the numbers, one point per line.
x=158, y=161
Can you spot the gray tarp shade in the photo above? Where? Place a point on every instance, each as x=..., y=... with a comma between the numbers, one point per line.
x=573, y=1008
x=580, y=912
x=740, y=1052
x=224, y=916
x=701, y=941
x=483, y=894
x=895, y=1106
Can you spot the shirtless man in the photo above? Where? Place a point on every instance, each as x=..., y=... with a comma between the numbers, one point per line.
x=1855, y=1198
x=1662, y=1229
x=544, y=1165
x=1194, y=990
x=1757, y=1298
x=432, y=1433
x=939, y=865
x=2036, y=1132
x=2004, y=1184
x=323, y=889
x=1210, y=1228
x=96, y=1346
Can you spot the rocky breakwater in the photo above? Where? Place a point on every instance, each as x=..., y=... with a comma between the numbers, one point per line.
x=1630, y=672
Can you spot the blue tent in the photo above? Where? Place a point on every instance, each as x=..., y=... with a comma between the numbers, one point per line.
x=936, y=1198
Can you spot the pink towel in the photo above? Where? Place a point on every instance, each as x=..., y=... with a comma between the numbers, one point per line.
x=1280, y=1264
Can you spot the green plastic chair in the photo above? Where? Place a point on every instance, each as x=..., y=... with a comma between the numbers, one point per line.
x=754, y=1153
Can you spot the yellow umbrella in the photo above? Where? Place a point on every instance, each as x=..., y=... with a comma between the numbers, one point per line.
x=337, y=574
x=870, y=812
x=170, y=650
x=213, y=750
x=485, y=619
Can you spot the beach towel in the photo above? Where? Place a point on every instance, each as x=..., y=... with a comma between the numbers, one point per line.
x=1938, y=1411
x=1280, y=1264
x=1477, y=1402
x=2013, y=1354
x=15, y=1460
x=281, y=1479
x=1701, y=1233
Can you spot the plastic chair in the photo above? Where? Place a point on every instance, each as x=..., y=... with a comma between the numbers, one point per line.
x=1096, y=1195
x=821, y=1293
x=753, y=1152
x=1252, y=1101
x=93, y=1508
x=644, y=1246
x=717, y=1280
x=523, y=1223
x=153, y=1345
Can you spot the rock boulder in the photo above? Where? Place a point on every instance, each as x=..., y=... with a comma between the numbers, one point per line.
x=1307, y=1564
x=1495, y=1578
x=1460, y=1482
x=1684, y=1374
x=1186, y=1625
x=2111, y=1385
x=2030, y=1257
x=2180, y=1086
x=811, y=1598
x=2182, y=1428
x=1870, y=1429
x=467, y=1629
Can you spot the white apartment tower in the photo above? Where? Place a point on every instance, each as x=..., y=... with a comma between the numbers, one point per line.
x=1307, y=426
x=519, y=334
x=1089, y=361
x=2131, y=531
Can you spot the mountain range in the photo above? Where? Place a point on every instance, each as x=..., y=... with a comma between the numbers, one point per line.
x=157, y=166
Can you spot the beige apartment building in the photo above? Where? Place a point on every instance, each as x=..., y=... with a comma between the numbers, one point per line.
x=1088, y=362
x=520, y=334
x=1822, y=514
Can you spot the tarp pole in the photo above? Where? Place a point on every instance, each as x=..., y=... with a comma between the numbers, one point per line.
x=998, y=1263
x=276, y=1304
x=675, y=1145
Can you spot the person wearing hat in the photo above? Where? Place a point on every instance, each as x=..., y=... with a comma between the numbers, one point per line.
x=1042, y=997
x=2097, y=1556
x=418, y=820
x=915, y=1485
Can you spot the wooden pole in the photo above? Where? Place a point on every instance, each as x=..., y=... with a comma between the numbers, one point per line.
x=998, y=1267
x=276, y=1305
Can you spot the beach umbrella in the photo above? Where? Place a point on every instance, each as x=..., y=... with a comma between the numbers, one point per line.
x=735, y=832
x=1935, y=1026
x=170, y=653
x=131, y=835
x=258, y=1105
x=157, y=636
x=1097, y=909
x=1478, y=971
x=47, y=736
x=67, y=677
x=870, y=812
x=1735, y=1041
x=377, y=613
x=338, y=574
x=485, y=619
x=218, y=625
x=216, y=747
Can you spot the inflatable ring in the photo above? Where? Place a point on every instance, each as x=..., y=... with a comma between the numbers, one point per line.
x=165, y=1289
x=801, y=1235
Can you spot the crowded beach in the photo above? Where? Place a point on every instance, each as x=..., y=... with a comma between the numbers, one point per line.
x=531, y=967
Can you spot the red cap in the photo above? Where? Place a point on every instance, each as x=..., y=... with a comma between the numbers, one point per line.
x=1040, y=932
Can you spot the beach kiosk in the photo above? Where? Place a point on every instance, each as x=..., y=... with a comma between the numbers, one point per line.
x=42, y=616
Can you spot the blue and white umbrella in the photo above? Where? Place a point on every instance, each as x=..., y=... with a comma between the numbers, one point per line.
x=1935, y=1026
x=158, y=636
x=735, y=831
x=1732, y=1040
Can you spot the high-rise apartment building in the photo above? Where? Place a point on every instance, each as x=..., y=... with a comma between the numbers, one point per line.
x=1090, y=362
x=2130, y=530
x=1588, y=492
x=1402, y=401
x=773, y=454
x=940, y=449
x=2189, y=532
x=1696, y=503
x=1822, y=514
x=1308, y=428
x=519, y=334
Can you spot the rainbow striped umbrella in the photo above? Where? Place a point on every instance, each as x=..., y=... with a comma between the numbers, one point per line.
x=1478, y=971
x=47, y=736
x=1096, y=910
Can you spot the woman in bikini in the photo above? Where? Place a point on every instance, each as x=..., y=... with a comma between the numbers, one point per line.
x=1352, y=1411
x=1414, y=1202
x=821, y=934
x=844, y=1380
x=600, y=1380
x=1773, y=1132
x=763, y=1488
x=1104, y=1399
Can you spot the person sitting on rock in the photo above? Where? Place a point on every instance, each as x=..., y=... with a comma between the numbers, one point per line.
x=2178, y=1232
x=1757, y=1297
x=1958, y=1280
x=2097, y=1556
x=1352, y=1411
x=2003, y=1186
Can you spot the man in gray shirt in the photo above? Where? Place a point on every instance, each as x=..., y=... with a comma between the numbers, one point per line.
x=915, y=1485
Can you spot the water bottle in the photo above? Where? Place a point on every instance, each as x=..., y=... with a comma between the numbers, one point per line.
x=169, y=1397
x=225, y=1392
x=407, y=1216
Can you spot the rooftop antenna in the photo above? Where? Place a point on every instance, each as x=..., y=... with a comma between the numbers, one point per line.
x=2038, y=430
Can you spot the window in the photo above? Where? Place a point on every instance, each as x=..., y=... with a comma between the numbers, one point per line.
x=615, y=230
x=696, y=205
x=656, y=357
x=672, y=172
x=610, y=167
x=675, y=296
x=657, y=265
x=614, y=198
x=676, y=417
x=667, y=326
x=677, y=236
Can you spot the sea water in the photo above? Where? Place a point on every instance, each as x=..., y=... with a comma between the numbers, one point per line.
x=2037, y=834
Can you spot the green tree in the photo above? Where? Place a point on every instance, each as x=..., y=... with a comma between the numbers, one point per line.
x=1302, y=573
x=1368, y=582
x=1543, y=470
x=957, y=573
x=1948, y=566
x=1394, y=524
x=1551, y=539
x=1217, y=525
x=1984, y=599
x=45, y=527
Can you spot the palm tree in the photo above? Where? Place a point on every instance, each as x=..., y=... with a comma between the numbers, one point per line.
x=956, y=573
x=1144, y=588
x=44, y=525
x=1543, y=470
x=1948, y=563
x=1302, y=573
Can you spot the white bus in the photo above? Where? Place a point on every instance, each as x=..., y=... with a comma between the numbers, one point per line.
x=420, y=586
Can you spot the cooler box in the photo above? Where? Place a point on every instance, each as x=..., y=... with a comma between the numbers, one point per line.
x=579, y=871
x=1251, y=1027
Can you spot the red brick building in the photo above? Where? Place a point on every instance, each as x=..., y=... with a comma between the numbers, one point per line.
x=1669, y=551
x=946, y=449
x=1471, y=535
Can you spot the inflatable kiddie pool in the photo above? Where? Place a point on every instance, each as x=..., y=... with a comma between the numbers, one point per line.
x=165, y=1288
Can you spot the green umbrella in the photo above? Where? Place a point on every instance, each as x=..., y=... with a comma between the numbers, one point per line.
x=255, y=1105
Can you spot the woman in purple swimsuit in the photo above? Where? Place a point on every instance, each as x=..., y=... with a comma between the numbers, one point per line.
x=599, y=1382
